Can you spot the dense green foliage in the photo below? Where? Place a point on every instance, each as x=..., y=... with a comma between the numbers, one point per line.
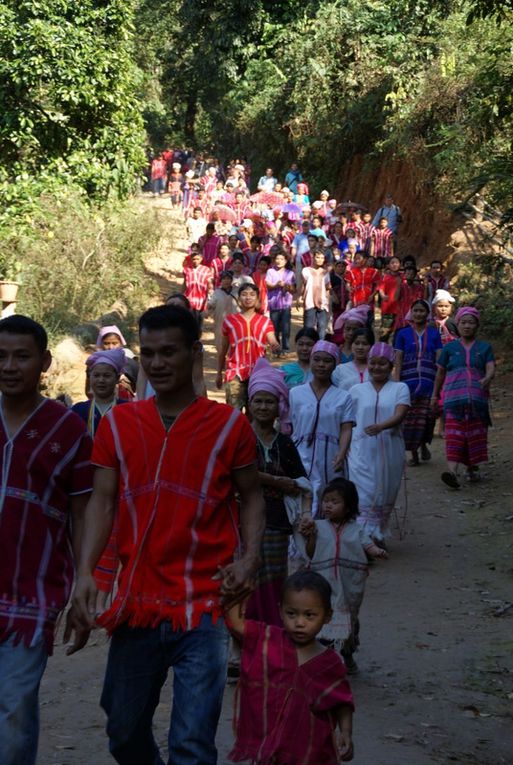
x=323, y=81
x=69, y=111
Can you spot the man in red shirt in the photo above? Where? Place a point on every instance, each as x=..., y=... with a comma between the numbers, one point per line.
x=198, y=283
x=382, y=241
x=209, y=244
x=362, y=281
x=168, y=470
x=46, y=480
x=245, y=337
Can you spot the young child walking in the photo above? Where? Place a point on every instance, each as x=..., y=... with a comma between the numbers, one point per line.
x=340, y=550
x=293, y=692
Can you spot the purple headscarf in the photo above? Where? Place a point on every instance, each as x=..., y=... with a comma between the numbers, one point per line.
x=359, y=314
x=326, y=347
x=115, y=358
x=467, y=310
x=265, y=377
x=382, y=349
x=110, y=330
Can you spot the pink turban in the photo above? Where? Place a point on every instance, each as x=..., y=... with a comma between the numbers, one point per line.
x=467, y=310
x=115, y=358
x=382, y=349
x=358, y=314
x=110, y=330
x=326, y=347
x=265, y=377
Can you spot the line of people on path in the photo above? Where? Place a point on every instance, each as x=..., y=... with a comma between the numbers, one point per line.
x=183, y=518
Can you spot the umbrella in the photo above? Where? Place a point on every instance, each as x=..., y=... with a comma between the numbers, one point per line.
x=293, y=210
x=267, y=198
x=349, y=203
x=225, y=213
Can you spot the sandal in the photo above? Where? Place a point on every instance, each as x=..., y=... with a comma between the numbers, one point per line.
x=425, y=453
x=414, y=462
x=450, y=479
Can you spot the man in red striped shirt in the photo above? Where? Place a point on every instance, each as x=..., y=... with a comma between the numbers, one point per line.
x=245, y=337
x=198, y=285
x=46, y=480
x=382, y=241
x=168, y=471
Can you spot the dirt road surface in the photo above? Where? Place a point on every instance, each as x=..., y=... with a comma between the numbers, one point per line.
x=436, y=660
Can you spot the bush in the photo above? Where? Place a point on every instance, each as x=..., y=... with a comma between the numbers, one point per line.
x=75, y=261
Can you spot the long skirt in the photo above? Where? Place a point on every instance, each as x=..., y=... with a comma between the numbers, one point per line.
x=264, y=603
x=419, y=423
x=466, y=441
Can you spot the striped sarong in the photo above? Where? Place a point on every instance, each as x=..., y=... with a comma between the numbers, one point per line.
x=418, y=425
x=466, y=440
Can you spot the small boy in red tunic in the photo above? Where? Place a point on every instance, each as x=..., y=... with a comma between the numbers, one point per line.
x=293, y=690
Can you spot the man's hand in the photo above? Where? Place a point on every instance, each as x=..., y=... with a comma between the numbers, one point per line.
x=84, y=600
x=74, y=625
x=345, y=746
x=219, y=380
x=237, y=580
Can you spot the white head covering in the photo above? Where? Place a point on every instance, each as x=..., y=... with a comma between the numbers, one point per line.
x=442, y=295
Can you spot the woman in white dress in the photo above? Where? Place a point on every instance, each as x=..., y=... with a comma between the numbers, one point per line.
x=355, y=371
x=376, y=457
x=322, y=421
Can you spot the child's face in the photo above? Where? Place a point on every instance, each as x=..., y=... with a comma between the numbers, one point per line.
x=111, y=341
x=304, y=615
x=226, y=283
x=395, y=264
x=333, y=506
x=263, y=266
x=443, y=309
x=237, y=266
x=224, y=251
x=367, y=217
x=196, y=259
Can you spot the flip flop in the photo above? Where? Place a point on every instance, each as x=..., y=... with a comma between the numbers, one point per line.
x=425, y=454
x=450, y=479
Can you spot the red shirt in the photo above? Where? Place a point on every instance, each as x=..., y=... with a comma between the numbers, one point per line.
x=363, y=282
x=217, y=266
x=196, y=285
x=177, y=518
x=391, y=286
x=43, y=465
x=247, y=339
x=209, y=247
x=382, y=238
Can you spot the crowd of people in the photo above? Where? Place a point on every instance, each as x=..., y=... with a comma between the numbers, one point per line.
x=184, y=520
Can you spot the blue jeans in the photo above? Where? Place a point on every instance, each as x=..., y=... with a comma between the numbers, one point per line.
x=281, y=321
x=314, y=318
x=139, y=660
x=21, y=670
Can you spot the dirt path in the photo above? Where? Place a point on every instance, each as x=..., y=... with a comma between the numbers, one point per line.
x=436, y=679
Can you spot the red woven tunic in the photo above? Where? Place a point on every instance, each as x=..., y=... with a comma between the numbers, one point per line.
x=43, y=465
x=286, y=710
x=177, y=518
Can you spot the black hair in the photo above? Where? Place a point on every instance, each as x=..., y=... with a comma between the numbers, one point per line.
x=255, y=239
x=265, y=259
x=308, y=580
x=423, y=303
x=181, y=297
x=22, y=325
x=238, y=255
x=248, y=286
x=409, y=259
x=168, y=316
x=436, y=260
x=307, y=332
x=365, y=332
x=347, y=490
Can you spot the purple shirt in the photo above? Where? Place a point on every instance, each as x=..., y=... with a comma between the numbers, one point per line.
x=277, y=296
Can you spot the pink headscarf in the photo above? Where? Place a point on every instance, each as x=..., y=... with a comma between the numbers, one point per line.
x=467, y=310
x=359, y=314
x=382, y=349
x=265, y=377
x=115, y=358
x=110, y=330
x=326, y=347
